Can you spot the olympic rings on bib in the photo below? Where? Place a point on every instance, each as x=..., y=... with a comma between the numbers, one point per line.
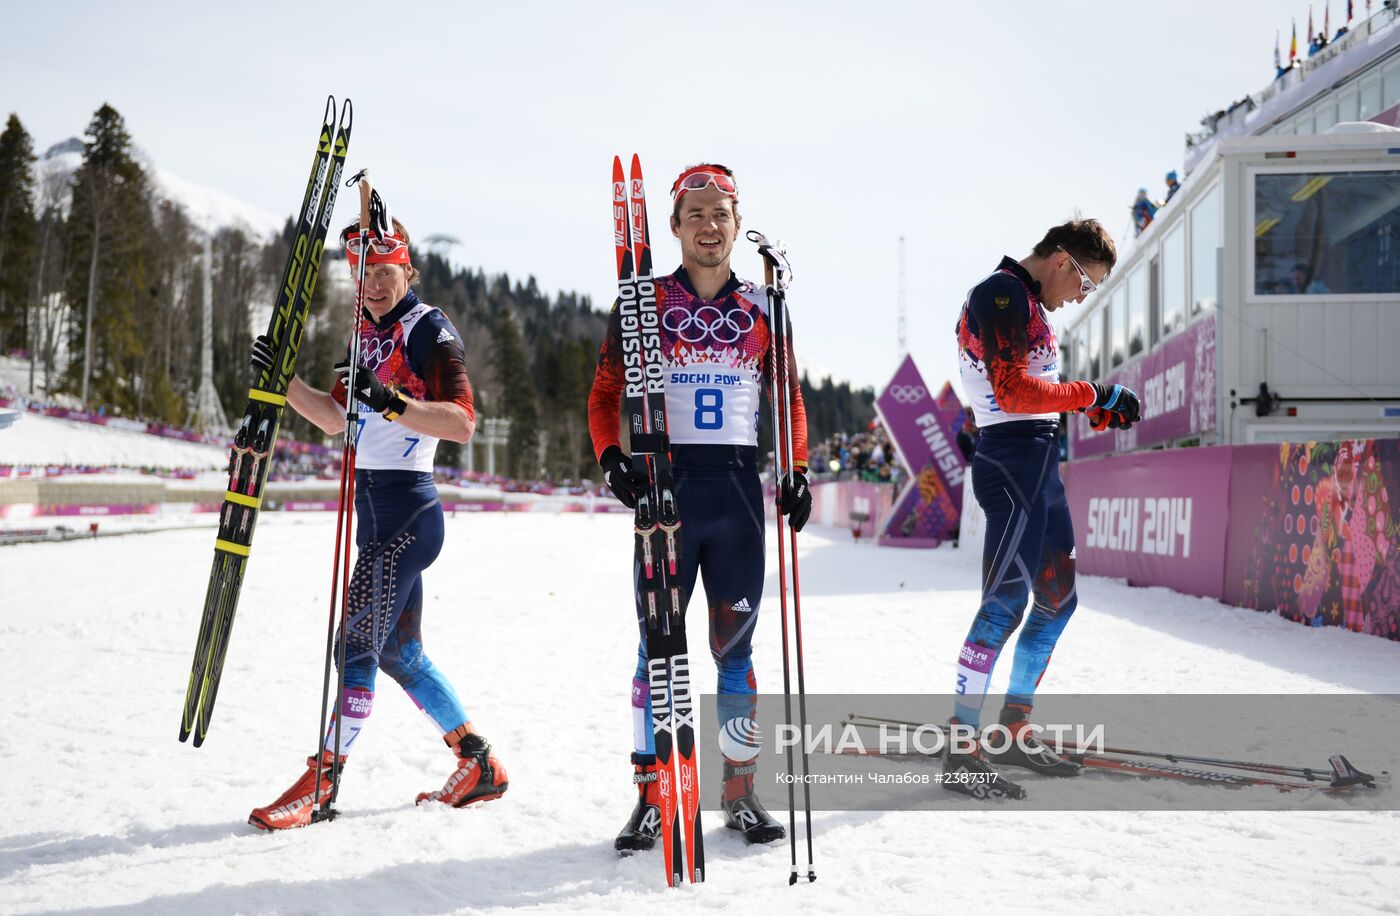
x=907, y=394
x=707, y=322
x=377, y=352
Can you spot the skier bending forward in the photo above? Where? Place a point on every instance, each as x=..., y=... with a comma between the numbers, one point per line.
x=1010, y=374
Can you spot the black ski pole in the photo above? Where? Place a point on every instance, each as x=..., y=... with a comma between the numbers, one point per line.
x=777, y=275
x=345, y=519
x=1333, y=771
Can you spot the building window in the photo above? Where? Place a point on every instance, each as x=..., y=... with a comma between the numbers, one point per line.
x=1303, y=125
x=1370, y=100
x=1093, y=366
x=1118, y=327
x=1330, y=232
x=1205, y=252
x=1347, y=107
x=1392, y=90
x=1174, y=280
x=1326, y=116
x=1138, y=286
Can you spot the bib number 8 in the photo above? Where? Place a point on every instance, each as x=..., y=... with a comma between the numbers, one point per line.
x=709, y=408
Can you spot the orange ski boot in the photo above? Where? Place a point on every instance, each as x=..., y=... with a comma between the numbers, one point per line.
x=295, y=806
x=479, y=776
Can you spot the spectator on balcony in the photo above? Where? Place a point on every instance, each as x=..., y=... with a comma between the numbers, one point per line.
x=1143, y=212
x=1172, y=187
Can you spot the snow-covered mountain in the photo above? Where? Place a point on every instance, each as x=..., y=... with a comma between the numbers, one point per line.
x=206, y=207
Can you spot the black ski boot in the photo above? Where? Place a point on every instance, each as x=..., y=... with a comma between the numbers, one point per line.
x=1026, y=750
x=644, y=826
x=969, y=774
x=742, y=809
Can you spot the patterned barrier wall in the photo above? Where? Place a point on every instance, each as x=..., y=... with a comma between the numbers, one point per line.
x=1317, y=537
x=1305, y=529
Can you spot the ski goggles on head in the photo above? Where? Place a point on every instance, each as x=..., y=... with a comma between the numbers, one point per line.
x=702, y=177
x=388, y=249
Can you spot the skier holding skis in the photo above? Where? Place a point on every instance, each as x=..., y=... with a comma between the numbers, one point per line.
x=1010, y=374
x=715, y=345
x=413, y=390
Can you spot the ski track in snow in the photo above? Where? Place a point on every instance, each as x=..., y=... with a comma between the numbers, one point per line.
x=530, y=616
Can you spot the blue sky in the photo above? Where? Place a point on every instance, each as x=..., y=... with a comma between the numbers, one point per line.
x=966, y=128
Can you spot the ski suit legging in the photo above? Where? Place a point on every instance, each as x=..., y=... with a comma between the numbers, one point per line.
x=399, y=533
x=1029, y=550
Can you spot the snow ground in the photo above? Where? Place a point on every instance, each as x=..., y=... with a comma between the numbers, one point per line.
x=36, y=440
x=530, y=615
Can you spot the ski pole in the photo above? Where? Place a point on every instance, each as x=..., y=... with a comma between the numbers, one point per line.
x=776, y=276
x=1311, y=774
x=345, y=518
x=784, y=391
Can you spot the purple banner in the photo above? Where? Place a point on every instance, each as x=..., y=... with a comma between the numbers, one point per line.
x=1176, y=384
x=114, y=509
x=924, y=431
x=1154, y=518
x=1308, y=530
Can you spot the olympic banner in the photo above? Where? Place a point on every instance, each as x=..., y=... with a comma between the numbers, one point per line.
x=923, y=428
x=1305, y=529
x=1153, y=518
x=1177, y=385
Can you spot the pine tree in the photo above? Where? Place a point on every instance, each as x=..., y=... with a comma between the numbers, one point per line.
x=517, y=396
x=238, y=283
x=110, y=227
x=18, y=234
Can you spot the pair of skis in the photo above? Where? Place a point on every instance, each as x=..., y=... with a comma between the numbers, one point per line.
x=250, y=456
x=657, y=528
x=1339, y=774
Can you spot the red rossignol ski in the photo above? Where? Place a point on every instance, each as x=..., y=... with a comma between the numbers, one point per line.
x=658, y=533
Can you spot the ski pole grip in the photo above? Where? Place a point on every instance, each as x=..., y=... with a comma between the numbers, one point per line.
x=364, y=200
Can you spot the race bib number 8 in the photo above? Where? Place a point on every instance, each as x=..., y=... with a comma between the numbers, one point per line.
x=709, y=408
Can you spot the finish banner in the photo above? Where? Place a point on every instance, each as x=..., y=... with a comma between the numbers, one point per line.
x=923, y=428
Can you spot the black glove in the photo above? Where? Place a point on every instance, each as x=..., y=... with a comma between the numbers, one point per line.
x=262, y=355
x=627, y=485
x=795, y=500
x=369, y=390
x=1119, y=401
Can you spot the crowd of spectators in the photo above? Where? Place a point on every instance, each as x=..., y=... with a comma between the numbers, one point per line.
x=867, y=455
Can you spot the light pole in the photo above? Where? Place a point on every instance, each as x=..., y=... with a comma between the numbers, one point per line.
x=497, y=432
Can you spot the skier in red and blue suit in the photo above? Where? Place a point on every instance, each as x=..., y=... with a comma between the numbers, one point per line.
x=413, y=390
x=715, y=341
x=1010, y=374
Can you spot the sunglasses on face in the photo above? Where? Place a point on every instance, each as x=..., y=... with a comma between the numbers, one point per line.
x=1086, y=286
x=386, y=245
